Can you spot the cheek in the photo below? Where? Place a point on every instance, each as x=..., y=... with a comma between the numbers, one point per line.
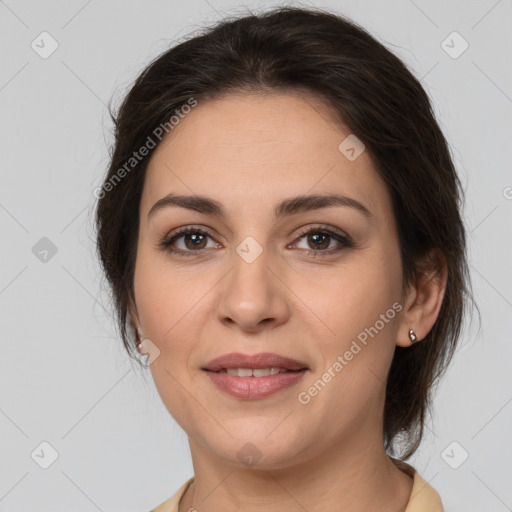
x=353, y=297
x=168, y=307
x=358, y=304
x=163, y=302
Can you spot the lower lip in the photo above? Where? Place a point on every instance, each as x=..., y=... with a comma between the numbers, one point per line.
x=253, y=388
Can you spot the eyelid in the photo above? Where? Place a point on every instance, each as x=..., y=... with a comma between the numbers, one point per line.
x=167, y=240
x=342, y=237
x=324, y=228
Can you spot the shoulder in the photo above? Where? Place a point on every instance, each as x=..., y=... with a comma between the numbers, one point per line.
x=171, y=505
x=424, y=498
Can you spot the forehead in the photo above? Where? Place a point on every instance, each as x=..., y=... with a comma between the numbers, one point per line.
x=265, y=147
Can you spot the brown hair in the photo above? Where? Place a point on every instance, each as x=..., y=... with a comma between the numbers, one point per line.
x=373, y=93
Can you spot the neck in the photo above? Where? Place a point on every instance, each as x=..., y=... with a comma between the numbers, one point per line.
x=346, y=476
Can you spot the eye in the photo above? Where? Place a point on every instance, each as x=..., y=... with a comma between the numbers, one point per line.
x=322, y=242
x=187, y=241
x=316, y=241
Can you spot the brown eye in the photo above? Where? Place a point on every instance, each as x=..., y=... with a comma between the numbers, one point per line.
x=187, y=241
x=318, y=240
x=194, y=241
x=322, y=242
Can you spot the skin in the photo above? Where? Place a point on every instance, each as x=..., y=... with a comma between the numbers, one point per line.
x=249, y=152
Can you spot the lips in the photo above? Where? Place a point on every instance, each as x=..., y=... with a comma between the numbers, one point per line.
x=254, y=362
x=252, y=377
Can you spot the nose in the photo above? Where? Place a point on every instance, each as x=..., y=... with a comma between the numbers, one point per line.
x=253, y=297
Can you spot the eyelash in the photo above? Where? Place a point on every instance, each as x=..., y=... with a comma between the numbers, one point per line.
x=344, y=240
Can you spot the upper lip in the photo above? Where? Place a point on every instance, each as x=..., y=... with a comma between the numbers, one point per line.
x=254, y=361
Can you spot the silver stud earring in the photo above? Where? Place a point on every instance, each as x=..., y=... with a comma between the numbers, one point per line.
x=412, y=336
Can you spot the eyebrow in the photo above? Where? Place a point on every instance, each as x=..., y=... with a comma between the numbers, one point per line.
x=293, y=205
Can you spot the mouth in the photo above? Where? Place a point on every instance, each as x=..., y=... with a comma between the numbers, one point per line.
x=254, y=372
x=257, y=364
x=254, y=376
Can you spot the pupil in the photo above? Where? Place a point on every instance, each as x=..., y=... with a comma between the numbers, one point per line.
x=195, y=238
x=320, y=238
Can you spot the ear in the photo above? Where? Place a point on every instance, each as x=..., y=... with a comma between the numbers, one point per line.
x=423, y=300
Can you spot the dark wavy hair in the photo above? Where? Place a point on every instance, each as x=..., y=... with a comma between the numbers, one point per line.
x=369, y=90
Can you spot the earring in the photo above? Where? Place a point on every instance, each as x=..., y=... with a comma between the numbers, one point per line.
x=412, y=336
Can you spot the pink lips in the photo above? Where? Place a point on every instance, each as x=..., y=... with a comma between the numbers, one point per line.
x=252, y=388
x=262, y=360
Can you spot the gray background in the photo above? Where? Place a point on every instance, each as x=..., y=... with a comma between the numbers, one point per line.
x=65, y=378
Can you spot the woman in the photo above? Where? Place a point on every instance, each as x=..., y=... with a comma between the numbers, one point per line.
x=280, y=225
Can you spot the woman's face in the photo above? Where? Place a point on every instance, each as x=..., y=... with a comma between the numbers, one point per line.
x=262, y=273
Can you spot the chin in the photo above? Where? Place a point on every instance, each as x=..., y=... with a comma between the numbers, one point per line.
x=260, y=451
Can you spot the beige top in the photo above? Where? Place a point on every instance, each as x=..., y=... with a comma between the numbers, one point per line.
x=424, y=498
